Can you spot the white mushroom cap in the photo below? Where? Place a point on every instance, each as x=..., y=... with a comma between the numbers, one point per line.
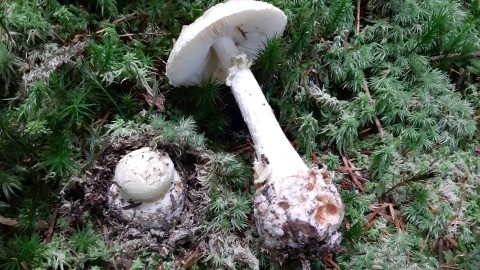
x=144, y=174
x=147, y=189
x=249, y=23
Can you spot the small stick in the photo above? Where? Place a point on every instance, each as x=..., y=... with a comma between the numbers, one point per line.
x=105, y=236
x=193, y=258
x=372, y=215
x=426, y=239
x=352, y=174
x=440, y=253
x=359, y=3
x=415, y=178
x=331, y=262
x=53, y=218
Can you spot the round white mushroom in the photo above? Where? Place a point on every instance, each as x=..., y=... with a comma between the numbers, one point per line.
x=294, y=206
x=147, y=189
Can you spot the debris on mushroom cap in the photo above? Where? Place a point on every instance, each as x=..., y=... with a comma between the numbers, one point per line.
x=147, y=189
x=249, y=23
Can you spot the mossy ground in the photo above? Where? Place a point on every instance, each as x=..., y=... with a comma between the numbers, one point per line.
x=383, y=92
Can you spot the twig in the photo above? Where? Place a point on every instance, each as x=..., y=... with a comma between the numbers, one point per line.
x=450, y=267
x=365, y=86
x=331, y=262
x=8, y=221
x=476, y=117
x=451, y=241
x=192, y=259
x=426, y=239
x=352, y=174
x=372, y=215
x=440, y=253
x=105, y=236
x=377, y=121
x=139, y=34
x=460, y=203
x=127, y=17
x=2, y=24
x=51, y=225
x=453, y=55
x=359, y=4
x=104, y=228
x=415, y=178
x=379, y=210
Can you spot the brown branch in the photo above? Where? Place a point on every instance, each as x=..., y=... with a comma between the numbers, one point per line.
x=377, y=121
x=453, y=55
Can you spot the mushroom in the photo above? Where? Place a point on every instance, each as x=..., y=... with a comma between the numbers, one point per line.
x=147, y=189
x=295, y=206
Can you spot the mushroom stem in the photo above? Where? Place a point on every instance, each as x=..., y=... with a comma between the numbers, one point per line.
x=268, y=138
x=294, y=206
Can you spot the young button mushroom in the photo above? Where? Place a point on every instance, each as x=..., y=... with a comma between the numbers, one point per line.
x=294, y=207
x=147, y=189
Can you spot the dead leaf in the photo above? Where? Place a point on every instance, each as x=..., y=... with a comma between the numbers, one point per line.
x=433, y=209
x=159, y=102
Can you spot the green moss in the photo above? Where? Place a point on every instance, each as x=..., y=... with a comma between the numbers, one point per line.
x=72, y=73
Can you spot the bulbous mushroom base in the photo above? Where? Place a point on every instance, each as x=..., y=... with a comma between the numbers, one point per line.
x=301, y=212
x=158, y=213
